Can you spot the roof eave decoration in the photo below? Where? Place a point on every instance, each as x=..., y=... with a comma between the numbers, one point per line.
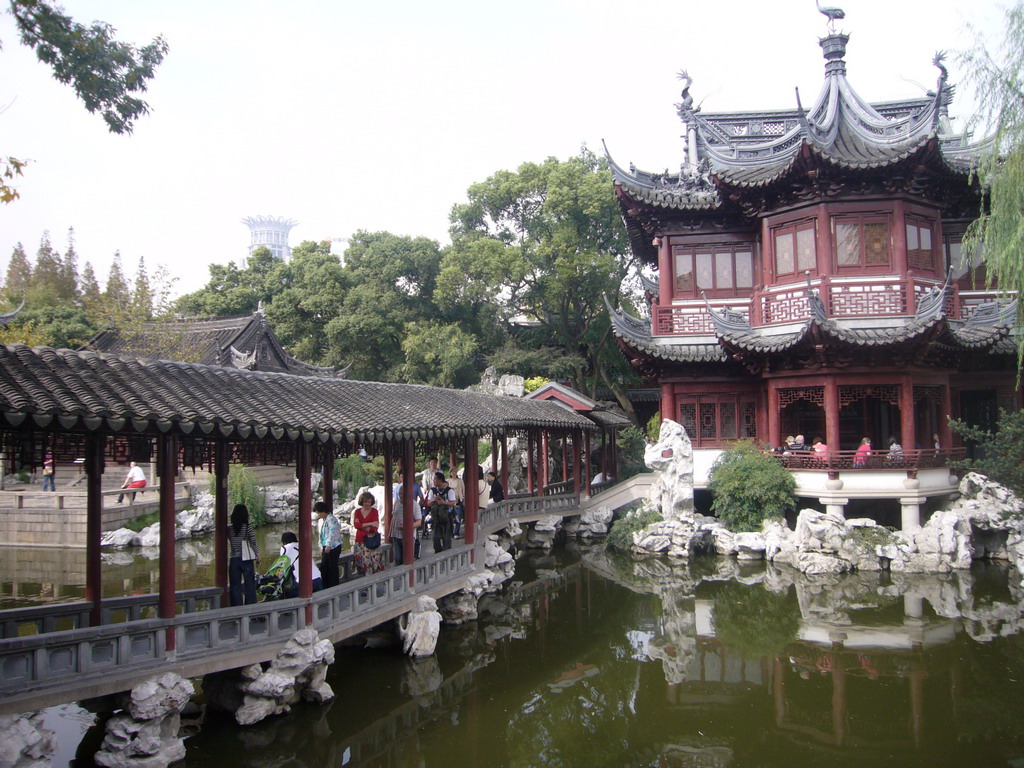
x=635, y=334
x=691, y=188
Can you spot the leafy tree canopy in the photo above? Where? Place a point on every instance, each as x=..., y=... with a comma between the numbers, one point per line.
x=1001, y=453
x=998, y=79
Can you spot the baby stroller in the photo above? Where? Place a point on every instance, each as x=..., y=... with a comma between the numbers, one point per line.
x=278, y=578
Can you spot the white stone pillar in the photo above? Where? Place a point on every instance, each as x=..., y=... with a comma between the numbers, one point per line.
x=910, y=514
x=834, y=505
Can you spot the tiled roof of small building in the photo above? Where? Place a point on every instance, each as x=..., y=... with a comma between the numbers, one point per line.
x=43, y=386
x=244, y=341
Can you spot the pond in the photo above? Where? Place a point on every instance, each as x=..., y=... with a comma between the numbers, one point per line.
x=591, y=659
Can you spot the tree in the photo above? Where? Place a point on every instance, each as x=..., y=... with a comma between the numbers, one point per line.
x=1000, y=454
x=232, y=291
x=749, y=487
x=142, y=293
x=105, y=73
x=439, y=354
x=117, y=293
x=19, y=275
x=546, y=243
x=998, y=79
x=90, y=292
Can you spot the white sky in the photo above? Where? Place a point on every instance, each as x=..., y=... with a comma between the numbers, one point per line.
x=378, y=116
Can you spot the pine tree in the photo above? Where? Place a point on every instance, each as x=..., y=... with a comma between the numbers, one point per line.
x=19, y=276
x=142, y=294
x=69, y=271
x=117, y=294
x=45, y=288
x=91, y=295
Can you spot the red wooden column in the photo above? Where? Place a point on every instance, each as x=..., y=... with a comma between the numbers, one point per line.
x=408, y=499
x=328, y=481
x=389, y=494
x=494, y=452
x=615, y=455
x=831, y=414
x=94, y=447
x=472, y=498
x=604, y=456
x=945, y=433
x=774, y=433
x=167, y=462
x=576, y=468
x=221, y=467
x=565, y=458
x=908, y=433
x=529, y=463
x=303, y=470
x=504, y=462
x=542, y=470
x=586, y=464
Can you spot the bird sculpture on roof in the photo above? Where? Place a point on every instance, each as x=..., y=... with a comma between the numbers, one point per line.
x=832, y=14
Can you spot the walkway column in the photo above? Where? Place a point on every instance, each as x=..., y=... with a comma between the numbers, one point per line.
x=472, y=498
x=774, y=429
x=221, y=468
x=494, y=452
x=831, y=415
x=576, y=468
x=389, y=495
x=529, y=463
x=945, y=433
x=615, y=454
x=408, y=499
x=504, y=462
x=910, y=514
x=565, y=459
x=604, y=455
x=303, y=471
x=94, y=447
x=586, y=464
x=542, y=470
x=167, y=459
x=327, y=484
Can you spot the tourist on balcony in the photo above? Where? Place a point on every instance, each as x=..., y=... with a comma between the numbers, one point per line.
x=935, y=439
x=895, y=455
x=787, y=446
x=860, y=458
x=398, y=522
x=799, y=444
x=329, y=530
x=819, y=447
x=245, y=554
x=369, y=557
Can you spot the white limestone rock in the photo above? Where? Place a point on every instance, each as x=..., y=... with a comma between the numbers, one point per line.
x=594, y=522
x=779, y=543
x=819, y=531
x=724, y=541
x=750, y=546
x=298, y=671
x=672, y=458
x=122, y=537
x=198, y=521
x=820, y=562
x=162, y=695
x=541, y=535
x=147, y=734
x=458, y=607
x=420, y=628
x=24, y=743
x=675, y=538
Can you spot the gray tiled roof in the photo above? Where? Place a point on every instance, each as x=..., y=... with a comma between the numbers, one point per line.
x=95, y=391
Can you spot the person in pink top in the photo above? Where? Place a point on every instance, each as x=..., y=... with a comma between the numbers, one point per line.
x=860, y=459
x=366, y=521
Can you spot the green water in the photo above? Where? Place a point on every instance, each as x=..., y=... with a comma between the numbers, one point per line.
x=593, y=660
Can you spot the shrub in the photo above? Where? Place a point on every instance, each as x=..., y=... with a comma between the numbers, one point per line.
x=350, y=474
x=620, y=536
x=749, y=486
x=243, y=489
x=533, y=383
x=654, y=427
x=631, y=452
x=142, y=521
x=1000, y=453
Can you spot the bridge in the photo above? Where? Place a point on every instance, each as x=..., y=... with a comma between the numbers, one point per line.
x=50, y=654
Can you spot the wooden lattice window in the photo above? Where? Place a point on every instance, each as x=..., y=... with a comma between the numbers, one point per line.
x=862, y=242
x=889, y=393
x=710, y=420
x=920, y=252
x=721, y=270
x=795, y=250
x=790, y=395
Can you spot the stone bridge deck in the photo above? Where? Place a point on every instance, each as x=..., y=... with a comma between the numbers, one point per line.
x=66, y=660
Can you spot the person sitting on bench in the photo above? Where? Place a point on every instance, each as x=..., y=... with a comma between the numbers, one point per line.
x=136, y=479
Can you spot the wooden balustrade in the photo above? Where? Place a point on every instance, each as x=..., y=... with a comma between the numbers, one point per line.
x=846, y=461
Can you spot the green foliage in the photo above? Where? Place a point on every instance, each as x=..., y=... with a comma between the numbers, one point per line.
x=105, y=73
x=533, y=384
x=631, y=452
x=545, y=363
x=654, y=427
x=753, y=622
x=11, y=168
x=620, y=536
x=244, y=489
x=439, y=354
x=749, y=486
x=998, y=232
x=1000, y=453
x=870, y=536
x=352, y=473
x=142, y=521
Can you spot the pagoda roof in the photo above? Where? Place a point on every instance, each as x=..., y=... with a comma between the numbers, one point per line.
x=987, y=329
x=243, y=341
x=841, y=129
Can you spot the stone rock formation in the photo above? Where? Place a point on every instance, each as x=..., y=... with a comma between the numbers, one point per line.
x=541, y=535
x=297, y=672
x=24, y=743
x=147, y=733
x=420, y=628
x=593, y=523
x=672, y=458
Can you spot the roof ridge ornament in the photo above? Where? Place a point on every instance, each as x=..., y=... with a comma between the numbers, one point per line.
x=833, y=14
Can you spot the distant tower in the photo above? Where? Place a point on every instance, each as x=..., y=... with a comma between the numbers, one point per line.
x=270, y=232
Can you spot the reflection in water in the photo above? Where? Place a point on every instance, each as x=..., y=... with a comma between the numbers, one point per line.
x=609, y=662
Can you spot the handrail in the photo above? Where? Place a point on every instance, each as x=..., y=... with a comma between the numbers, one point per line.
x=848, y=460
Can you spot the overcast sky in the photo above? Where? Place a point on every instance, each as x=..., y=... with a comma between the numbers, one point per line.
x=378, y=116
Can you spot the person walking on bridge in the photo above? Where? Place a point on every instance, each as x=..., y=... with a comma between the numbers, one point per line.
x=245, y=554
x=330, y=544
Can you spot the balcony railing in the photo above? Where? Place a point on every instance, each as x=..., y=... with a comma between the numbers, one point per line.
x=835, y=461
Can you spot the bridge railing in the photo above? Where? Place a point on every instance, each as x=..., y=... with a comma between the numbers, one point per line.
x=58, y=617
x=493, y=518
